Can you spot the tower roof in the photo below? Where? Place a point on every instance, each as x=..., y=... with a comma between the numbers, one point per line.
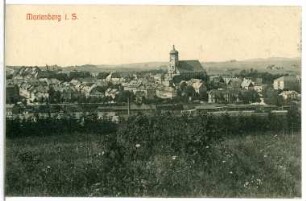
x=173, y=51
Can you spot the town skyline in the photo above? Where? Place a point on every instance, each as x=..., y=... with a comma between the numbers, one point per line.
x=116, y=35
x=101, y=65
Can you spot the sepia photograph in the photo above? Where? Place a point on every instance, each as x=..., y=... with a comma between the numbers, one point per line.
x=164, y=101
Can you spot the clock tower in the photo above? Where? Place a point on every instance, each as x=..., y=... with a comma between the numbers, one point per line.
x=173, y=61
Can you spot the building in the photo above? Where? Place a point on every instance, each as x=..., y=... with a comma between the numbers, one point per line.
x=290, y=95
x=114, y=77
x=247, y=84
x=223, y=96
x=289, y=82
x=111, y=92
x=132, y=86
x=233, y=82
x=183, y=69
x=198, y=86
x=166, y=92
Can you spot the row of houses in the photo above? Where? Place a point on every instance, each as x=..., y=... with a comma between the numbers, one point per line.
x=233, y=87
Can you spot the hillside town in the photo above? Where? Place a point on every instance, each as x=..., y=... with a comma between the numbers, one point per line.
x=184, y=88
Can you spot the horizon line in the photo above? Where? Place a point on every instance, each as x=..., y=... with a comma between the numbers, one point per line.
x=122, y=64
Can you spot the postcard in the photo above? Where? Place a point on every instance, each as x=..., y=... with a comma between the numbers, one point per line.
x=198, y=101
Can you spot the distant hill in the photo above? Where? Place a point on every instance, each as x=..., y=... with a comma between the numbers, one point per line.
x=122, y=67
x=272, y=65
x=86, y=67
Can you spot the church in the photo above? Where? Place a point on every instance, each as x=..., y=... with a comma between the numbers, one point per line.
x=179, y=70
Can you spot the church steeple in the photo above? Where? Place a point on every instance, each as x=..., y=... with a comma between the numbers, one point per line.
x=173, y=51
x=173, y=60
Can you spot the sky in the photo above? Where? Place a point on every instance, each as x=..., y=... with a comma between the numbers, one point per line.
x=113, y=35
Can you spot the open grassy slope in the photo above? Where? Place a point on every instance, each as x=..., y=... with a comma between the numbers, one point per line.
x=257, y=165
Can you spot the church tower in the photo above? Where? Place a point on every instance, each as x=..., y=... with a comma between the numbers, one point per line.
x=174, y=59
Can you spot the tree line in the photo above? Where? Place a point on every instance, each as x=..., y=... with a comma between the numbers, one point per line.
x=226, y=124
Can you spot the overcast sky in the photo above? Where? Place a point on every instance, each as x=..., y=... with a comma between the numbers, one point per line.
x=134, y=34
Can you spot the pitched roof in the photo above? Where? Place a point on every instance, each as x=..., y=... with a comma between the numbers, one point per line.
x=188, y=66
x=287, y=78
x=246, y=83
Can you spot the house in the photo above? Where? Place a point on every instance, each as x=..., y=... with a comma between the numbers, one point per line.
x=132, y=86
x=110, y=92
x=289, y=82
x=24, y=89
x=198, y=85
x=223, y=96
x=114, y=77
x=40, y=96
x=91, y=90
x=247, y=84
x=9, y=110
x=49, y=81
x=217, y=81
x=165, y=92
x=95, y=91
x=290, y=95
x=233, y=83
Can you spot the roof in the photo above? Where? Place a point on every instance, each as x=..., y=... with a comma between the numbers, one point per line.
x=235, y=82
x=223, y=91
x=9, y=106
x=290, y=78
x=173, y=51
x=187, y=66
x=246, y=83
x=288, y=92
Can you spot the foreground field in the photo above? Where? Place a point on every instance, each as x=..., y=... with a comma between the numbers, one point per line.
x=254, y=165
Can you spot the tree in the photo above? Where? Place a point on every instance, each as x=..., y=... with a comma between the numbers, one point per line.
x=272, y=97
x=51, y=93
x=123, y=96
x=249, y=96
x=189, y=91
x=102, y=75
x=294, y=118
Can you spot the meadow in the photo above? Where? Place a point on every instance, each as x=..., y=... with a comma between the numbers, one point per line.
x=149, y=158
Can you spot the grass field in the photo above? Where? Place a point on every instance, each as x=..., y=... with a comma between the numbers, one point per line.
x=254, y=165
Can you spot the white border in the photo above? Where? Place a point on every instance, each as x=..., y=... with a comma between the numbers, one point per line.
x=303, y=100
x=164, y=2
x=2, y=103
x=146, y=2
